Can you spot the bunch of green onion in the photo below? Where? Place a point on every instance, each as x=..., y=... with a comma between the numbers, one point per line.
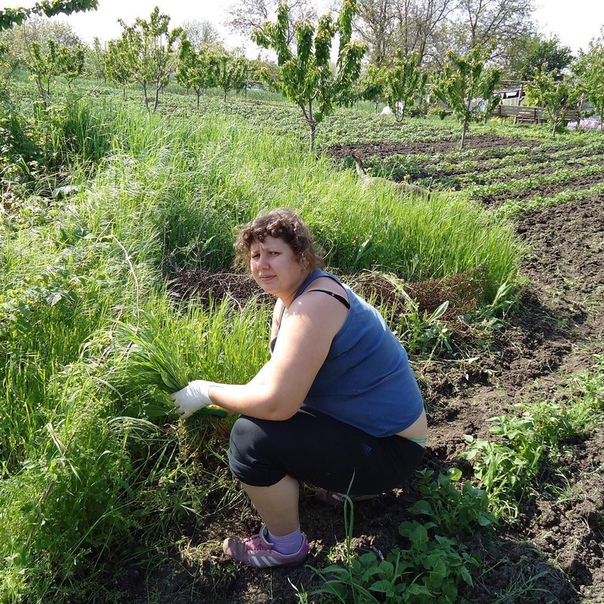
x=153, y=359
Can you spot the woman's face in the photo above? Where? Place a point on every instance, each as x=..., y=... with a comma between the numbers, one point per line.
x=275, y=268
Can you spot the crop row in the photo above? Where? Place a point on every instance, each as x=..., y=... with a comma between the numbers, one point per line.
x=520, y=186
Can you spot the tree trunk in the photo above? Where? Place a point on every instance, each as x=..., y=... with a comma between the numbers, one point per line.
x=464, y=129
x=146, y=95
x=156, y=100
x=313, y=135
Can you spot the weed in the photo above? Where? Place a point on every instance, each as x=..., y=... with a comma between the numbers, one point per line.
x=451, y=510
x=508, y=469
x=433, y=565
x=428, y=571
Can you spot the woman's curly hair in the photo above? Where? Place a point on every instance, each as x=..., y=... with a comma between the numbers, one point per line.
x=281, y=223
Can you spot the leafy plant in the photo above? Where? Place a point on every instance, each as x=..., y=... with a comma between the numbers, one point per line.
x=434, y=564
x=589, y=69
x=197, y=69
x=451, y=510
x=428, y=571
x=404, y=85
x=467, y=86
x=556, y=94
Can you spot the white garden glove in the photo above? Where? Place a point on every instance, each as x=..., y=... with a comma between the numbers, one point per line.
x=192, y=397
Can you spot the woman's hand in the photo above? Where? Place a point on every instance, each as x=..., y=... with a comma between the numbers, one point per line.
x=192, y=397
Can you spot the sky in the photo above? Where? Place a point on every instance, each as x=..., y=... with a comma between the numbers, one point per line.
x=574, y=23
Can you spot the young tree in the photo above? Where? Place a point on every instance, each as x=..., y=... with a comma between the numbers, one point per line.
x=149, y=53
x=231, y=73
x=55, y=60
x=49, y=8
x=197, y=69
x=371, y=85
x=404, y=85
x=556, y=96
x=306, y=76
x=118, y=63
x=467, y=87
x=589, y=69
x=95, y=61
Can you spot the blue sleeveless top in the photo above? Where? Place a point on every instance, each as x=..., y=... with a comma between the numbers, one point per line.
x=366, y=380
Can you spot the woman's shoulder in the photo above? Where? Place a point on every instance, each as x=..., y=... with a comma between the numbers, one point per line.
x=324, y=279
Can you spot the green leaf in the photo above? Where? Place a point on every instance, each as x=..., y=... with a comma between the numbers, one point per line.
x=422, y=507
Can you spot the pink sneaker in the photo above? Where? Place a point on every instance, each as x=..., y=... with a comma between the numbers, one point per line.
x=256, y=551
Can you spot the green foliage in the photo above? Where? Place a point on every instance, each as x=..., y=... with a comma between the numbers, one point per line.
x=165, y=351
x=95, y=60
x=62, y=511
x=306, y=78
x=509, y=468
x=371, y=84
x=467, y=86
x=231, y=73
x=145, y=53
x=556, y=95
x=36, y=153
x=589, y=69
x=19, y=153
x=428, y=571
x=532, y=53
x=92, y=474
x=58, y=60
x=454, y=512
x=404, y=85
x=197, y=69
x=424, y=332
x=117, y=62
x=434, y=562
x=49, y=8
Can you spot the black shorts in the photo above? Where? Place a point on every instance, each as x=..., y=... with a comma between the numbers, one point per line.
x=317, y=449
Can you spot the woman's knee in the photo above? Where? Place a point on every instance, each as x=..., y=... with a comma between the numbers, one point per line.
x=245, y=434
x=251, y=458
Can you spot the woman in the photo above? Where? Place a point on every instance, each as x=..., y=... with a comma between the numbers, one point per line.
x=336, y=406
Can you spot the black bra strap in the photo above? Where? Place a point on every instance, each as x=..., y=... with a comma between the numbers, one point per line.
x=341, y=299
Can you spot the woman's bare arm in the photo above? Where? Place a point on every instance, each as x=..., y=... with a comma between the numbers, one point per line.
x=280, y=387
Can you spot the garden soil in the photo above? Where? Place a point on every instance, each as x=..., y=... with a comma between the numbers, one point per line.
x=553, y=554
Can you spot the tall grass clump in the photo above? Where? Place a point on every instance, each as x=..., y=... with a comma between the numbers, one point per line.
x=85, y=461
x=75, y=132
x=414, y=237
x=185, y=185
x=199, y=179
